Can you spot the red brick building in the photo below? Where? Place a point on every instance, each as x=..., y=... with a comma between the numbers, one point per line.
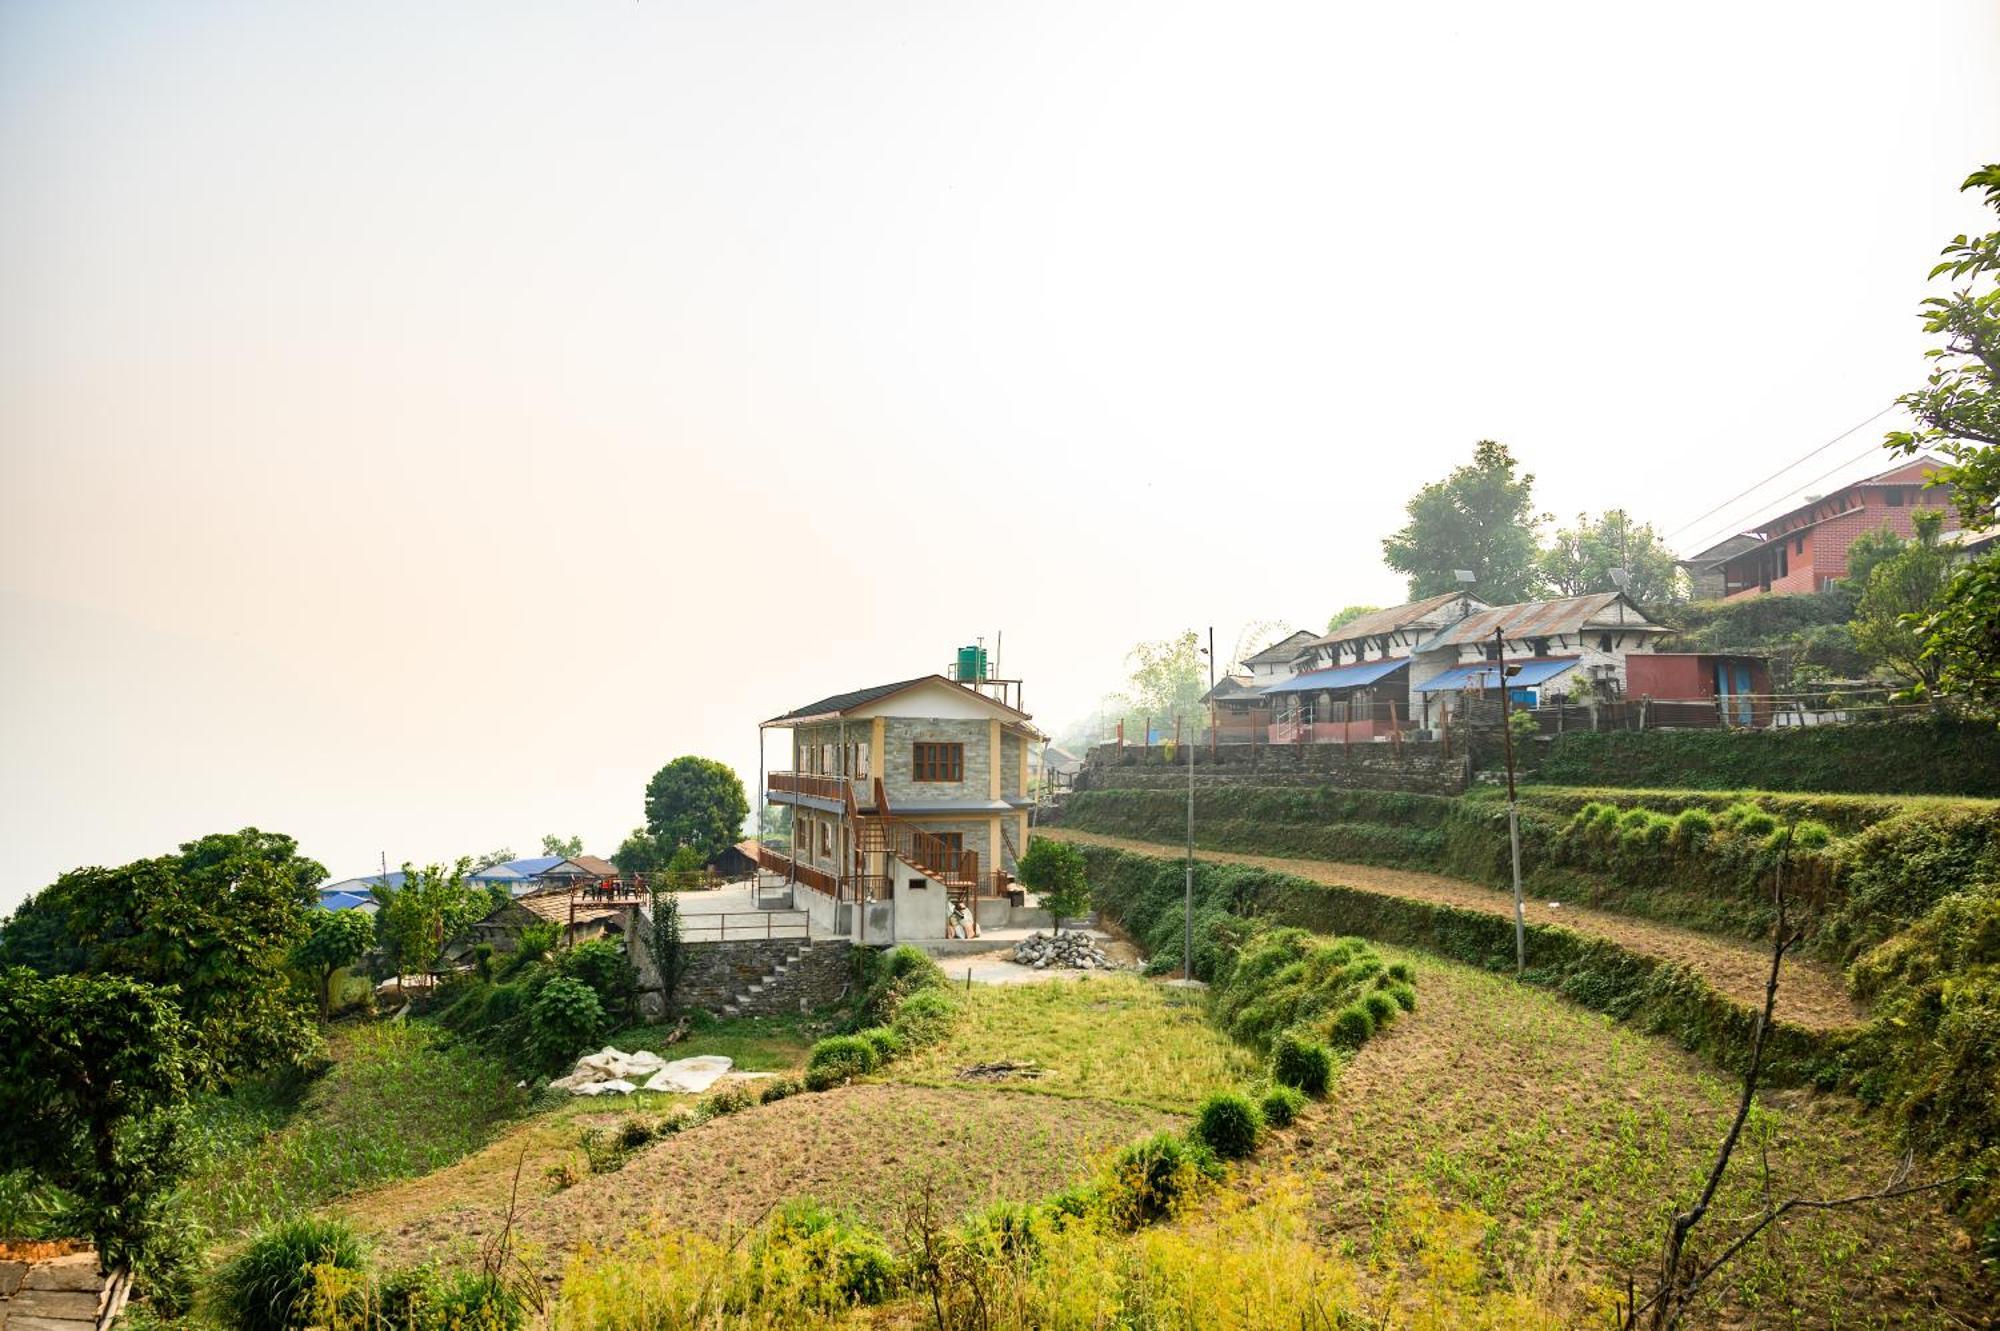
x=1805, y=548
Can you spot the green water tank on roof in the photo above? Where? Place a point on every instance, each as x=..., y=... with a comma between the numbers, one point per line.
x=971, y=664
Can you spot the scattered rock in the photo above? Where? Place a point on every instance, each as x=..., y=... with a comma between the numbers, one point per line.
x=999, y=1071
x=1073, y=951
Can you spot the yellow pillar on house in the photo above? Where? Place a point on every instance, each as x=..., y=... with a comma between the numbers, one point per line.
x=878, y=756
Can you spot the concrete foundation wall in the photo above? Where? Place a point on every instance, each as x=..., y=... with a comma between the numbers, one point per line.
x=1420, y=767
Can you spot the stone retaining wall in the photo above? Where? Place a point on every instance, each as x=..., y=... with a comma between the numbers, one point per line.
x=717, y=975
x=1418, y=767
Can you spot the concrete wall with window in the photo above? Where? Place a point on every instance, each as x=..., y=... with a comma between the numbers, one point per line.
x=901, y=735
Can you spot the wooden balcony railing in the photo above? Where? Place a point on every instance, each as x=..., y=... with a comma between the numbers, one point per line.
x=949, y=863
x=833, y=788
x=779, y=862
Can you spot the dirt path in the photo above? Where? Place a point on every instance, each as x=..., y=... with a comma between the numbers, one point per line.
x=1812, y=994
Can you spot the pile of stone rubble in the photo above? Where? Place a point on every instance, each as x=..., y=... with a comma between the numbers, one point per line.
x=1073, y=951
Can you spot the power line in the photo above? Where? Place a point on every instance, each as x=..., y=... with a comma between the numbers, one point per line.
x=1692, y=522
x=1833, y=471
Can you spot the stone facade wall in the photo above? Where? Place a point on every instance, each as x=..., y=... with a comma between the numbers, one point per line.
x=899, y=733
x=58, y=1294
x=1420, y=767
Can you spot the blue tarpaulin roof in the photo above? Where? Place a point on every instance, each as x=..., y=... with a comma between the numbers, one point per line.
x=1337, y=677
x=1486, y=674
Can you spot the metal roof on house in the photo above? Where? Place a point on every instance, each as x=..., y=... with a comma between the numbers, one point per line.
x=1281, y=651
x=1338, y=677
x=841, y=703
x=1486, y=675
x=1232, y=686
x=1543, y=619
x=333, y=898
x=1378, y=622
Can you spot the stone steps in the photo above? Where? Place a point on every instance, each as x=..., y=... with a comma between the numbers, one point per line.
x=747, y=996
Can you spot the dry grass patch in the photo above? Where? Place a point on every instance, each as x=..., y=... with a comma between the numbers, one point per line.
x=1103, y=1037
x=861, y=1149
x=1578, y=1137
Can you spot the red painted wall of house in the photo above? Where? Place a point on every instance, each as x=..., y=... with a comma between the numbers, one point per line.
x=1824, y=558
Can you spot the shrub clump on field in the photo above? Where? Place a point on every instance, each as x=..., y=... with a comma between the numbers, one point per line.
x=420, y=1298
x=1352, y=1026
x=816, y=1259
x=1229, y=1125
x=1285, y=979
x=778, y=1088
x=925, y=1017
x=887, y=978
x=270, y=1286
x=1302, y=1063
x=1149, y=1180
x=1281, y=1105
x=564, y=1018
x=842, y=1057
x=885, y=1042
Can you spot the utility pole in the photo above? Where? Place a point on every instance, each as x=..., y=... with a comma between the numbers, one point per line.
x=1187, y=935
x=1513, y=809
x=1211, y=693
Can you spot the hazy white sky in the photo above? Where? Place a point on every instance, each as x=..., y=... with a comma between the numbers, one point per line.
x=420, y=422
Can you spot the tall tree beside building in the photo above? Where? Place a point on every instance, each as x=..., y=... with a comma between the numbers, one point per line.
x=1167, y=681
x=1347, y=614
x=1902, y=591
x=1580, y=560
x=1481, y=517
x=1958, y=415
x=696, y=802
x=565, y=846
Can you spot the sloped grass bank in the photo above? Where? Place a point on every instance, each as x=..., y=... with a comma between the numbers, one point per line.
x=1599, y=974
x=1566, y=1140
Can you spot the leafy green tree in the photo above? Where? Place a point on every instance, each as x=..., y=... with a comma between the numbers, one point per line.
x=1059, y=875
x=1958, y=409
x=500, y=856
x=1958, y=415
x=1964, y=637
x=1167, y=681
x=1347, y=615
x=431, y=907
x=1480, y=517
x=1902, y=592
x=95, y=1072
x=1867, y=550
x=334, y=939
x=214, y=924
x=637, y=854
x=563, y=846
x=1580, y=560
x=696, y=802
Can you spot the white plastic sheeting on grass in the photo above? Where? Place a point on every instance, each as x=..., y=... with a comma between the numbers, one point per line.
x=612, y=1071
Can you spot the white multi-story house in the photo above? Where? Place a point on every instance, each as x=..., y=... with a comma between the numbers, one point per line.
x=906, y=798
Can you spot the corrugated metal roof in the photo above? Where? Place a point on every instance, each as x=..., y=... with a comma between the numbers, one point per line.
x=1539, y=619
x=1485, y=674
x=1231, y=686
x=1388, y=620
x=336, y=899
x=1338, y=677
x=1284, y=649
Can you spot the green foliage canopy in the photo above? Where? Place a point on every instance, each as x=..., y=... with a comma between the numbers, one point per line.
x=335, y=938
x=433, y=906
x=696, y=802
x=1901, y=592
x=1057, y=872
x=1580, y=559
x=565, y=846
x=1480, y=517
x=216, y=922
x=1347, y=614
x=95, y=1072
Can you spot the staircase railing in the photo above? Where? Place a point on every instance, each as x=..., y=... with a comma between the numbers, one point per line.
x=950, y=864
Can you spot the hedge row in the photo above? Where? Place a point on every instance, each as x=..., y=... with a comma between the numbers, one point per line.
x=1651, y=994
x=1926, y=756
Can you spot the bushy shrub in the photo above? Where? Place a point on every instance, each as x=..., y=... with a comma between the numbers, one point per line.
x=824, y=1079
x=634, y=1133
x=420, y=1298
x=884, y=1041
x=1280, y=1105
x=1301, y=1063
x=1150, y=1179
x=1228, y=1124
x=925, y=1017
x=821, y=1259
x=268, y=1287
x=1692, y=827
x=1806, y=835
x=728, y=1100
x=888, y=978
x=1402, y=972
x=601, y=964
x=564, y=1019
x=1286, y=978
x=1382, y=1008
x=778, y=1088
x=1405, y=996
x=1352, y=1026
x=843, y=1056
x=1748, y=820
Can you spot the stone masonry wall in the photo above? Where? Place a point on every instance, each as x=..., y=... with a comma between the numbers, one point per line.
x=58, y=1294
x=715, y=974
x=899, y=733
x=1420, y=768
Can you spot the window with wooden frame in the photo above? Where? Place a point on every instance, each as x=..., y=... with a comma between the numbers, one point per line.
x=937, y=762
x=825, y=839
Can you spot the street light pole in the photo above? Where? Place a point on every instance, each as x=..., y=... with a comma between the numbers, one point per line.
x=1513, y=809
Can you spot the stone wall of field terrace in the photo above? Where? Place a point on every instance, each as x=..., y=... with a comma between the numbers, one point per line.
x=65, y=1293
x=714, y=974
x=1419, y=767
